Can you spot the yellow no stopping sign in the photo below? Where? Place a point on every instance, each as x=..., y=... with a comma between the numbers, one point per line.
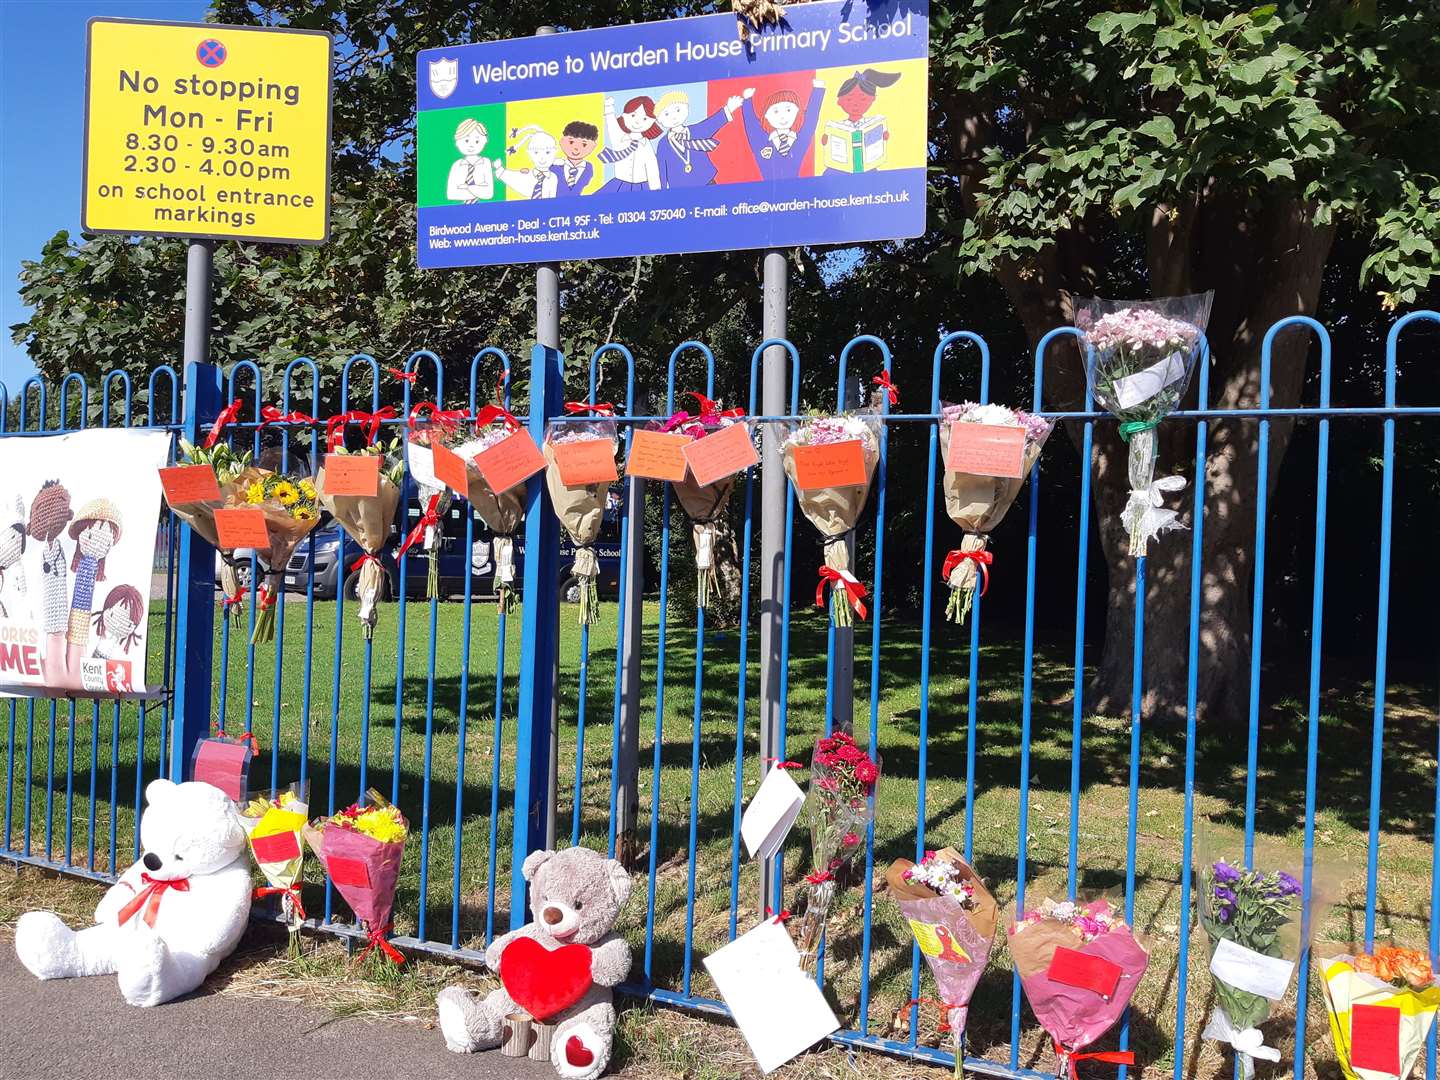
x=207, y=131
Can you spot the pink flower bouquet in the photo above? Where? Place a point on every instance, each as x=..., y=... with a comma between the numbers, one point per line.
x=361, y=848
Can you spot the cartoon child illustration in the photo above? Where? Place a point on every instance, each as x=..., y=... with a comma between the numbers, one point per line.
x=857, y=143
x=95, y=530
x=118, y=623
x=577, y=142
x=12, y=549
x=683, y=151
x=781, y=140
x=632, y=137
x=49, y=514
x=472, y=178
x=537, y=182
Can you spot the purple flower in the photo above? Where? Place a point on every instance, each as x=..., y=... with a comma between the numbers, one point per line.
x=1224, y=895
x=1288, y=886
x=1226, y=874
x=1223, y=914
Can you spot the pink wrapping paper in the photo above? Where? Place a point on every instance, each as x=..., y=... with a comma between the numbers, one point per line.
x=373, y=902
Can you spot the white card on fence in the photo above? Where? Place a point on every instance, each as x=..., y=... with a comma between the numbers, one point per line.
x=771, y=813
x=1245, y=969
x=776, y=1006
x=1145, y=384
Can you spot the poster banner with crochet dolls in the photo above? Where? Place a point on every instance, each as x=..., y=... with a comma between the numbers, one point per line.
x=675, y=136
x=77, y=544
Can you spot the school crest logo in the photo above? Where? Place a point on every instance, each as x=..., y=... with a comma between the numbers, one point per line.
x=444, y=77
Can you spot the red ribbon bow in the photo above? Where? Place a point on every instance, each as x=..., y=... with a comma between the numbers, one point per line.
x=445, y=418
x=818, y=877
x=500, y=386
x=891, y=390
x=981, y=559
x=149, y=899
x=710, y=410
x=1111, y=1057
x=599, y=408
x=490, y=413
x=376, y=940
x=676, y=419
x=267, y=597
x=784, y=914
x=229, y=602
x=269, y=414
x=245, y=737
x=428, y=520
x=227, y=416
x=405, y=376
x=362, y=560
x=945, y=1007
x=335, y=426
x=779, y=764
x=855, y=593
x=293, y=891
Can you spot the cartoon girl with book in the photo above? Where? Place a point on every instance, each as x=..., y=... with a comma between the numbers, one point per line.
x=780, y=134
x=857, y=143
x=118, y=623
x=536, y=182
x=631, y=146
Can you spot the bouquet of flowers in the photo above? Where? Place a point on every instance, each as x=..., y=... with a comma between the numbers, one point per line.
x=428, y=426
x=1382, y=1006
x=360, y=849
x=200, y=515
x=834, y=508
x=501, y=511
x=289, y=504
x=274, y=826
x=367, y=519
x=1139, y=358
x=977, y=501
x=1079, y=965
x=841, y=805
x=953, y=917
x=580, y=506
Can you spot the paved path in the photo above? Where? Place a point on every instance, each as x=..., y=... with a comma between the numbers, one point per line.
x=80, y=1029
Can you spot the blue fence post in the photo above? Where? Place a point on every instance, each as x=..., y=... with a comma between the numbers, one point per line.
x=539, y=639
x=194, y=594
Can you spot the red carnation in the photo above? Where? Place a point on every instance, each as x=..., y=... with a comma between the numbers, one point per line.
x=850, y=754
x=850, y=839
x=866, y=772
x=844, y=738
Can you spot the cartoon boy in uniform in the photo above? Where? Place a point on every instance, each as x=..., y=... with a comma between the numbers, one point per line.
x=577, y=142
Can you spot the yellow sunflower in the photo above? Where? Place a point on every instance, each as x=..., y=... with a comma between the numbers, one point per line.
x=286, y=493
x=307, y=489
x=255, y=493
x=303, y=513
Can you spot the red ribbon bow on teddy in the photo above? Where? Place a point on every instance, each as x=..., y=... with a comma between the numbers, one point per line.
x=227, y=416
x=149, y=899
x=855, y=593
x=981, y=559
x=428, y=520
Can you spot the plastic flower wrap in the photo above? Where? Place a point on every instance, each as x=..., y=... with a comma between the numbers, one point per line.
x=977, y=501
x=1381, y=1005
x=953, y=917
x=427, y=426
x=1079, y=964
x=200, y=515
x=291, y=510
x=360, y=848
x=274, y=826
x=502, y=512
x=840, y=805
x=580, y=506
x=834, y=508
x=366, y=519
x=1139, y=358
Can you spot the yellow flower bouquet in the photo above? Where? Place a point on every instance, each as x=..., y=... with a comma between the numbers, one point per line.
x=274, y=826
x=291, y=510
x=361, y=848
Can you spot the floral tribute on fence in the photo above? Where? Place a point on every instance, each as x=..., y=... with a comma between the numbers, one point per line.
x=274, y=826
x=361, y=491
x=1079, y=965
x=1139, y=358
x=988, y=452
x=579, y=469
x=288, y=508
x=1382, y=1007
x=360, y=848
x=841, y=806
x=430, y=426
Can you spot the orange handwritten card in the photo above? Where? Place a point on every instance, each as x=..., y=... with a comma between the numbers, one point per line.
x=186, y=484
x=837, y=464
x=657, y=455
x=242, y=528
x=510, y=461
x=450, y=468
x=987, y=450
x=721, y=454
x=585, y=461
x=352, y=474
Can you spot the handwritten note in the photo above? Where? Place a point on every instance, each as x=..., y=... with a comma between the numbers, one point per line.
x=351, y=474
x=585, y=461
x=987, y=450
x=838, y=464
x=771, y=813
x=721, y=454
x=657, y=455
x=186, y=484
x=450, y=469
x=512, y=460
x=242, y=528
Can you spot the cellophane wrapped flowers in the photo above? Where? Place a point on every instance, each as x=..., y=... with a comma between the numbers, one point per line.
x=840, y=805
x=361, y=848
x=581, y=507
x=290, y=505
x=227, y=465
x=835, y=510
x=274, y=826
x=1381, y=1005
x=503, y=511
x=1079, y=964
x=976, y=502
x=427, y=427
x=1139, y=359
x=368, y=519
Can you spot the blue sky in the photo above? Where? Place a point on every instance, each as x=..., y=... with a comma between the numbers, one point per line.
x=42, y=124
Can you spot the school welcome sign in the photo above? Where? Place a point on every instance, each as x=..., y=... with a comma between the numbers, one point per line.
x=675, y=136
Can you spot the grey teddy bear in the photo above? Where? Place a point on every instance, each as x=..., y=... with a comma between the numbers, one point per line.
x=575, y=897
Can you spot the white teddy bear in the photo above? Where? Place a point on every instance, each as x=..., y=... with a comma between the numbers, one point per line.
x=172, y=917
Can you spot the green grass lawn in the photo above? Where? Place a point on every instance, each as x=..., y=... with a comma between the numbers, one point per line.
x=1103, y=819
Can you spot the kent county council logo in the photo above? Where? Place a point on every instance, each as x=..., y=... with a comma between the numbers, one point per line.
x=444, y=77
x=211, y=53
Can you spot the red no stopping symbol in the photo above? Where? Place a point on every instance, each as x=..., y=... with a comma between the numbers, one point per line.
x=211, y=53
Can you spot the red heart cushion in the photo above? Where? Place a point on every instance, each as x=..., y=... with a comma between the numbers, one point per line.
x=544, y=981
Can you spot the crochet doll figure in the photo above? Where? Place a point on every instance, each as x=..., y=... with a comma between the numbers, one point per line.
x=95, y=530
x=49, y=514
x=117, y=623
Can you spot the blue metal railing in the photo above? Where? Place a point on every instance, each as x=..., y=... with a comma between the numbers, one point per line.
x=690, y=904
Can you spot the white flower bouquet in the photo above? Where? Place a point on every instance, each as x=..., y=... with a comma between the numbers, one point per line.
x=576, y=455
